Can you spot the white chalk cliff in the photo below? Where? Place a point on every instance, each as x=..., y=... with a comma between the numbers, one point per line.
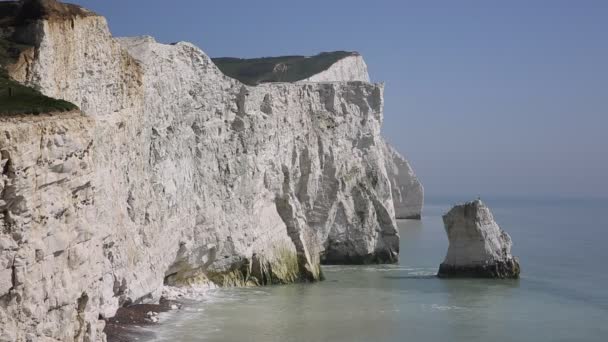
x=478, y=246
x=176, y=174
x=407, y=191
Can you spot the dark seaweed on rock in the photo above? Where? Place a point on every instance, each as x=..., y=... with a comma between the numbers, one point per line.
x=508, y=269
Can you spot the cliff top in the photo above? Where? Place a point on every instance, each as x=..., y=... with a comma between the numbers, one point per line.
x=16, y=12
x=254, y=71
x=14, y=97
x=19, y=99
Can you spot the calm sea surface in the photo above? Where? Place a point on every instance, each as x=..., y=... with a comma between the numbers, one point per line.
x=561, y=296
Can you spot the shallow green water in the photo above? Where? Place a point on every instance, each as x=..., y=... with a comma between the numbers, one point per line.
x=561, y=296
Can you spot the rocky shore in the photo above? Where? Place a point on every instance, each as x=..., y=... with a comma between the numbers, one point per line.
x=129, y=322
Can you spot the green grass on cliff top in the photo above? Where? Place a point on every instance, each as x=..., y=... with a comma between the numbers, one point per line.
x=25, y=100
x=18, y=99
x=254, y=71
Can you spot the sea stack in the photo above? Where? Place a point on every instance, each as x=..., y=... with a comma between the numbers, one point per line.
x=478, y=248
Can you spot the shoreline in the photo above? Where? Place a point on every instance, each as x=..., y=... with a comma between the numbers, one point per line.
x=129, y=323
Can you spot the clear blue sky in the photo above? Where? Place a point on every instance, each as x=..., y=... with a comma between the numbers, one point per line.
x=484, y=97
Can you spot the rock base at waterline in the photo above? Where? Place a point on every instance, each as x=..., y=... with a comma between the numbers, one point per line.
x=478, y=247
x=508, y=269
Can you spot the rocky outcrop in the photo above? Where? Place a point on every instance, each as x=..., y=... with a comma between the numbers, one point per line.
x=478, y=247
x=407, y=191
x=350, y=68
x=175, y=174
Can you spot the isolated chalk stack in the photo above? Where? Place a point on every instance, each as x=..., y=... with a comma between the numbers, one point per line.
x=478, y=248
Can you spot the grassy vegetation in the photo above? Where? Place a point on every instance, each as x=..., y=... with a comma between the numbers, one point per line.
x=14, y=97
x=18, y=99
x=278, y=69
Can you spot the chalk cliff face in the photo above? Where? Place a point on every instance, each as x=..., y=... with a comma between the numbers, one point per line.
x=51, y=254
x=76, y=59
x=478, y=247
x=407, y=191
x=176, y=174
x=351, y=68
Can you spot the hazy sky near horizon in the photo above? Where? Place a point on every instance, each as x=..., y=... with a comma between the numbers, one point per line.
x=483, y=97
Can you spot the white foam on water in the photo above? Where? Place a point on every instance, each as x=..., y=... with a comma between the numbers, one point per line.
x=437, y=307
x=367, y=268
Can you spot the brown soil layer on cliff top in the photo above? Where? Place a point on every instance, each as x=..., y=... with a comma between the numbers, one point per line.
x=126, y=325
x=13, y=13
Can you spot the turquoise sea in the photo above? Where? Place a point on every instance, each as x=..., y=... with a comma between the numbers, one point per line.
x=561, y=296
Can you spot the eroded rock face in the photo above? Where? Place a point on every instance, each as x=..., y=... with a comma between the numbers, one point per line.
x=478, y=247
x=176, y=175
x=407, y=191
x=279, y=143
x=51, y=251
